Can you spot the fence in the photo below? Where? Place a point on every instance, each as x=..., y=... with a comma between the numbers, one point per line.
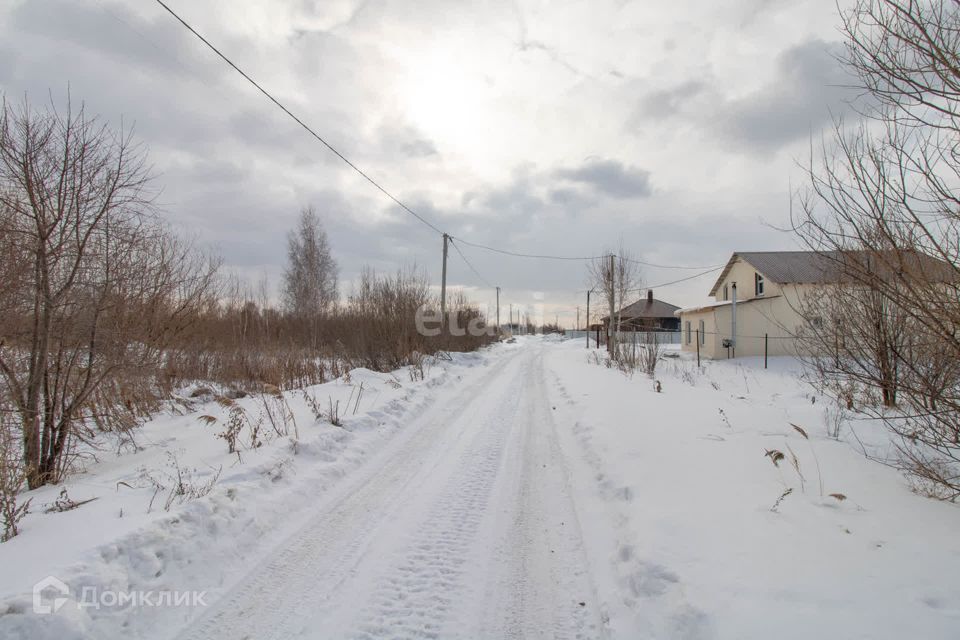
x=628, y=337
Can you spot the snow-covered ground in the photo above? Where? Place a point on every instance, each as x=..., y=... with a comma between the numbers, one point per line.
x=521, y=492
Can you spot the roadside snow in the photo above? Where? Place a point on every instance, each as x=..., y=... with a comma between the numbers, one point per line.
x=524, y=491
x=676, y=498
x=118, y=544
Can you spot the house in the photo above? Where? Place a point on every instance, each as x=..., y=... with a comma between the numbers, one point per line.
x=757, y=300
x=755, y=304
x=647, y=314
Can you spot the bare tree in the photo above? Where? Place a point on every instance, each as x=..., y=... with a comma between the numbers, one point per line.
x=104, y=284
x=310, y=279
x=615, y=277
x=883, y=207
x=12, y=509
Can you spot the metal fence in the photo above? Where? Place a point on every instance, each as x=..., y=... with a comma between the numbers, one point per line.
x=629, y=337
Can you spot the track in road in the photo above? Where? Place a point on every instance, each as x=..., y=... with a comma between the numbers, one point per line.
x=463, y=527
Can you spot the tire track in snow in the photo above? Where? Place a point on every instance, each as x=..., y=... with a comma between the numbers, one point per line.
x=285, y=591
x=420, y=590
x=546, y=590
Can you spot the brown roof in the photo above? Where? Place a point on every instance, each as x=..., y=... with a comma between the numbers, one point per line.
x=822, y=267
x=645, y=308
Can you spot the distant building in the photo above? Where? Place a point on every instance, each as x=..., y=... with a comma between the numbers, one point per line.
x=647, y=314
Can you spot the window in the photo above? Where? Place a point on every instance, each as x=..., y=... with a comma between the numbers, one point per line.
x=726, y=292
x=688, y=332
x=758, y=284
x=703, y=334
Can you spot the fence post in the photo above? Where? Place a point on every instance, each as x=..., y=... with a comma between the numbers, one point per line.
x=766, y=339
x=698, y=348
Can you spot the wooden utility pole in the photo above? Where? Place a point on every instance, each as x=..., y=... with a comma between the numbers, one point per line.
x=588, y=319
x=612, y=340
x=498, y=310
x=443, y=287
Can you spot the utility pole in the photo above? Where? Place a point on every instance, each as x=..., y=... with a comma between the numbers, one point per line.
x=511, y=317
x=498, y=310
x=578, y=319
x=612, y=341
x=443, y=287
x=588, y=319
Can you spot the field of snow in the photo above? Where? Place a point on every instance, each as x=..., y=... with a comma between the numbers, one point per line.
x=524, y=491
x=681, y=480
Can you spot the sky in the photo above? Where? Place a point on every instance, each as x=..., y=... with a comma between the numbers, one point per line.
x=676, y=130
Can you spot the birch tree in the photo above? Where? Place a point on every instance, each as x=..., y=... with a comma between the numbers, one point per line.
x=310, y=279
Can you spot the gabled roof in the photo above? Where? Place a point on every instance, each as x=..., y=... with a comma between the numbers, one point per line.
x=822, y=267
x=645, y=308
x=785, y=267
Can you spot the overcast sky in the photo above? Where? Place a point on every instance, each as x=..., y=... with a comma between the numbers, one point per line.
x=539, y=127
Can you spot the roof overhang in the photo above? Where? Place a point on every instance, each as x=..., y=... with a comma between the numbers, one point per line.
x=722, y=303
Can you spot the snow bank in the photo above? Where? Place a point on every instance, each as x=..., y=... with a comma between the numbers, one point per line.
x=677, y=498
x=117, y=548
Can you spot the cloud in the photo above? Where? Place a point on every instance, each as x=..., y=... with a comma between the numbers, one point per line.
x=610, y=177
x=111, y=31
x=662, y=104
x=475, y=117
x=808, y=86
x=406, y=140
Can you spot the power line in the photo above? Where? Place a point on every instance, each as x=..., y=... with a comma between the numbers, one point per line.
x=665, y=284
x=298, y=120
x=366, y=177
x=527, y=255
x=669, y=266
x=467, y=262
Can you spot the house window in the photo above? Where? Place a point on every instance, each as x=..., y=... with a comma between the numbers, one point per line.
x=703, y=334
x=758, y=284
x=726, y=292
x=688, y=332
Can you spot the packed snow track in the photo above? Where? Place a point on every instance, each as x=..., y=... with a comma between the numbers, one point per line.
x=463, y=527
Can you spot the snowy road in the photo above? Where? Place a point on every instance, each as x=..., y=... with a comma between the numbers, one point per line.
x=462, y=527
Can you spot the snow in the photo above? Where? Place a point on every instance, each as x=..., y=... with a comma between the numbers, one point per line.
x=523, y=491
x=695, y=548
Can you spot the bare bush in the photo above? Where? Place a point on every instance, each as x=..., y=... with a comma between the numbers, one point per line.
x=882, y=208
x=106, y=288
x=12, y=481
x=240, y=342
x=278, y=413
x=180, y=484
x=332, y=414
x=650, y=353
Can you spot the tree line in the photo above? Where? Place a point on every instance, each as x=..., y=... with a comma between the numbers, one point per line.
x=105, y=309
